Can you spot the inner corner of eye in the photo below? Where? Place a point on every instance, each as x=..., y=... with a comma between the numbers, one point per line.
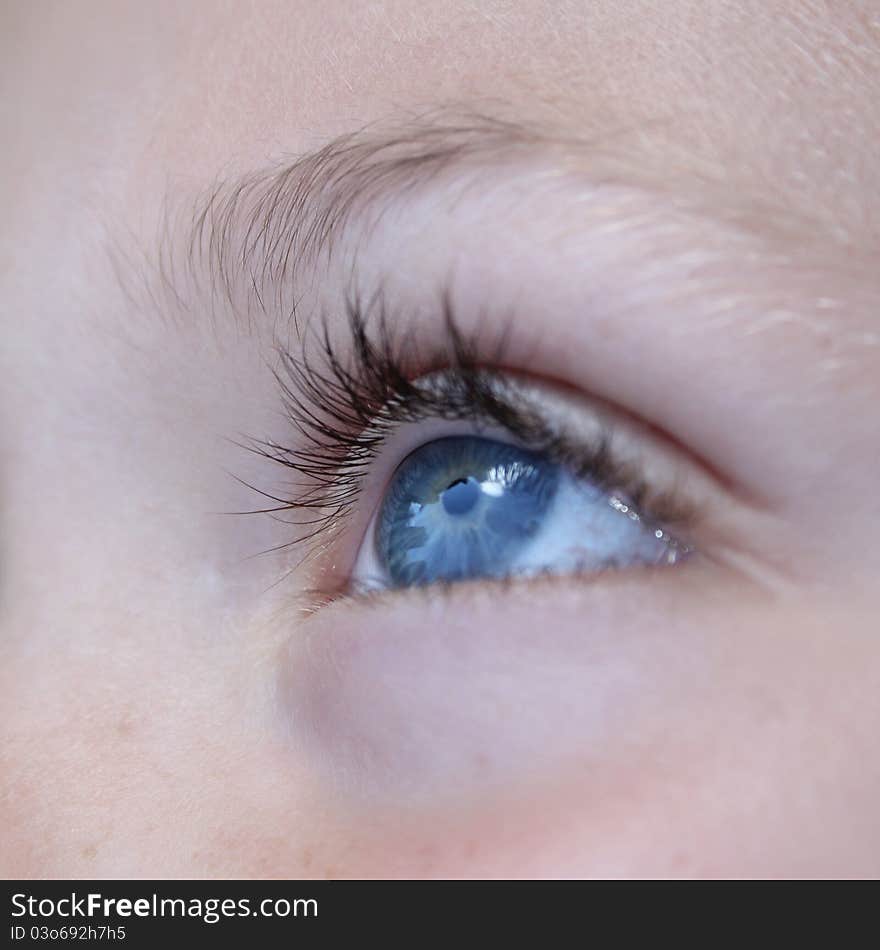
x=467, y=506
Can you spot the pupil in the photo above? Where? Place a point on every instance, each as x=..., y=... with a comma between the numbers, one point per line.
x=461, y=496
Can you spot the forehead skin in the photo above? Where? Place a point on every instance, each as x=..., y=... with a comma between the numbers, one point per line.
x=107, y=108
x=778, y=95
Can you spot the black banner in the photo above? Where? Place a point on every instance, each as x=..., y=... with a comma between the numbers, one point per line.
x=257, y=913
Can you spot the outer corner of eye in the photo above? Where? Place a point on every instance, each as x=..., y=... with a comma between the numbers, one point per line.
x=466, y=507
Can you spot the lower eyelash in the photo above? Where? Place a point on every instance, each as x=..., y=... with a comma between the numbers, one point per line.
x=345, y=401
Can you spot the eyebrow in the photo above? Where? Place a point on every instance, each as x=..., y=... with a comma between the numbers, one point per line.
x=245, y=243
x=263, y=229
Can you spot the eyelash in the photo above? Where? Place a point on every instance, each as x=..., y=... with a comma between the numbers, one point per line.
x=345, y=401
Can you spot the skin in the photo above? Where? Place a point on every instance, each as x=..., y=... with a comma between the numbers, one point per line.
x=167, y=706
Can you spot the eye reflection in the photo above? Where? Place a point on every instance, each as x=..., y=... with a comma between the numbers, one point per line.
x=465, y=507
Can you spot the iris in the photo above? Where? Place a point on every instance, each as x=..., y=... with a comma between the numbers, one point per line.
x=462, y=507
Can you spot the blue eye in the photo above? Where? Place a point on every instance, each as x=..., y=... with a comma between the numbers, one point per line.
x=466, y=507
x=462, y=507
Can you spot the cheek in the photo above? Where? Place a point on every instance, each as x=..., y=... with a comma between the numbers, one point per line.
x=416, y=711
x=494, y=692
x=584, y=734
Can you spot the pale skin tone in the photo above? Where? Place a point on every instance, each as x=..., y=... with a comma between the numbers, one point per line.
x=691, y=235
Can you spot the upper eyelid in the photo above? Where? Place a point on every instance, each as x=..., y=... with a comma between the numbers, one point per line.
x=249, y=246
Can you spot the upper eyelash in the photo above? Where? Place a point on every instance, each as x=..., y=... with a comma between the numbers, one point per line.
x=344, y=401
